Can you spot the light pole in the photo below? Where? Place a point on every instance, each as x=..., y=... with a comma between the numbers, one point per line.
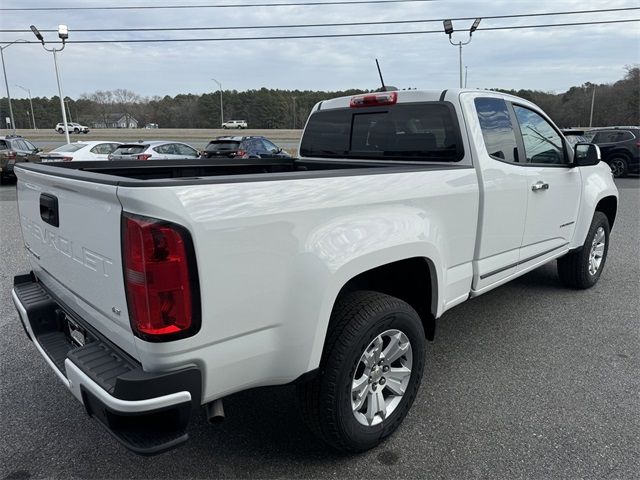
x=221, y=109
x=448, y=29
x=6, y=82
x=33, y=118
x=66, y=102
x=63, y=33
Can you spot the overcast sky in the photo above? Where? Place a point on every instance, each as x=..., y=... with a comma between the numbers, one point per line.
x=552, y=59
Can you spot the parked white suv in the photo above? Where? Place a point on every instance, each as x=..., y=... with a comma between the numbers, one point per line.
x=72, y=128
x=235, y=124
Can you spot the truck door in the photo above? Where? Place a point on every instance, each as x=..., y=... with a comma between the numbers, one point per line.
x=503, y=183
x=553, y=188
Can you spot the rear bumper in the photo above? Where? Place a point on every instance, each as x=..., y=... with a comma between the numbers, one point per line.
x=147, y=412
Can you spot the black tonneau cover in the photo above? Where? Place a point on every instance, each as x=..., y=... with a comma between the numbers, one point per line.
x=154, y=173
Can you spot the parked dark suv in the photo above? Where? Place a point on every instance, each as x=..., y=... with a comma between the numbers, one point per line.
x=242, y=147
x=15, y=149
x=620, y=147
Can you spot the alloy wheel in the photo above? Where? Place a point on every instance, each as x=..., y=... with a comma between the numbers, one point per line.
x=597, y=251
x=381, y=377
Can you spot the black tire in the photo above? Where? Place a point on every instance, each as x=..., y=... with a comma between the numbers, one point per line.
x=3, y=180
x=61, y=130
x=357, y=319
x=573, y=268
x=76, y=130
x=619, y=166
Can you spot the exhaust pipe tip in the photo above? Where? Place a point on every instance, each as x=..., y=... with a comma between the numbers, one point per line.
x=215, y=412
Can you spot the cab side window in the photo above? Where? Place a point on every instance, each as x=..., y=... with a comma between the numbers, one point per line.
x=542, y=144
x=497, y=129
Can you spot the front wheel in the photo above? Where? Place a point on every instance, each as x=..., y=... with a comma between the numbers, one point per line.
x=582, y=268
x=371, y=367
x=76, y=130
x=619, y=167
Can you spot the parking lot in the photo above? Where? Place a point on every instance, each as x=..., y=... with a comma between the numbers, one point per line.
x=48, y=139
x=529, y=381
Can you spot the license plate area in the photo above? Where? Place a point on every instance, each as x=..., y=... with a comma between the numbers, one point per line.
x=76, y=334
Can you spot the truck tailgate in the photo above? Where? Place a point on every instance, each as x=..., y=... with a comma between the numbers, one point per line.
x=71, y=229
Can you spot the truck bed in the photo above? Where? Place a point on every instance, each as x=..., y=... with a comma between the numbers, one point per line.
x=133, y=173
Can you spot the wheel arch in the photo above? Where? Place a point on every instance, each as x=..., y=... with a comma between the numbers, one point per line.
x=412, y=280
x=608, y=206
x=424, y=298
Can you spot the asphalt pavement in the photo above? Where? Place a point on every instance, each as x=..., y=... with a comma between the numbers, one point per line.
x=531, y=380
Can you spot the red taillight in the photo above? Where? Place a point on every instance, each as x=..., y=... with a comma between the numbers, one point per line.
x=144, y=156
x=67, y=159
x=374, y=99
x=11, y=155
x=240, y=154
x=638, y=143
x=160, y=278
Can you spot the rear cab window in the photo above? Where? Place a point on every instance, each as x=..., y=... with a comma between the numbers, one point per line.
x=424, y=132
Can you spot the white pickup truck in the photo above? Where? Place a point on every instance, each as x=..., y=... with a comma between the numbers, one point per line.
x=159, y=288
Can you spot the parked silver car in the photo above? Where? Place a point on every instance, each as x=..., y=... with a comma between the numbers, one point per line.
x=154, y=150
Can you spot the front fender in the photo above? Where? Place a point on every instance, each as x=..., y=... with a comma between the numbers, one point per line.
x=597, y=183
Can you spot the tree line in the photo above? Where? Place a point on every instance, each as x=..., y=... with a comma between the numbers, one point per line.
x=615, y=104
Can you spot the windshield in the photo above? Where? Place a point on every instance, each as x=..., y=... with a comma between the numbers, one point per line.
x=130, y=149
x=410, y=132
x=222, y=146
x=69, y=147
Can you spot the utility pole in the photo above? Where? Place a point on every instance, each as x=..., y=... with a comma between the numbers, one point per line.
x=593, y=99
x=221, y=109
x=294, y=113
x=465, y=76
x=66, y=102
x=33, y=118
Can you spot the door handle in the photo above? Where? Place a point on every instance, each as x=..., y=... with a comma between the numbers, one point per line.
x=539, y=186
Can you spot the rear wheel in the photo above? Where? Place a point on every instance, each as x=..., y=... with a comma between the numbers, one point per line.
x=582, y=268
x=371, y=370
x=619, y=167
x=60, y=130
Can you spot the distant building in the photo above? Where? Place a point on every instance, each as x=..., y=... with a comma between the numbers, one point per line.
x=116, y=120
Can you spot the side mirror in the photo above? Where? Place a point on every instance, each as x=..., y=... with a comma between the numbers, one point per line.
x=586, y=155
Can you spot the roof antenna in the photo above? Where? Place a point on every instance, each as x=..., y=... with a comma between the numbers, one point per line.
x=384, y=88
